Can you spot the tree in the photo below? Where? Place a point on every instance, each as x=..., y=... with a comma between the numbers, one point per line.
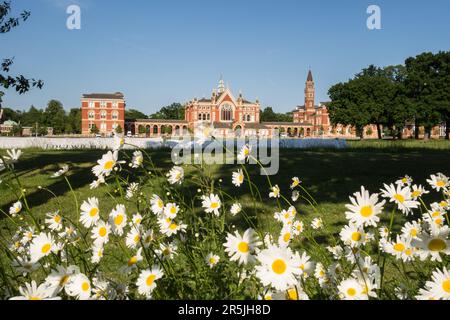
x=174, y=112
x=74, y=119
x=268, y=115
x=55, y=116
x=19, y=82
x=33, y=115
x=94, y=129
x=133, y=114
x=119, y=129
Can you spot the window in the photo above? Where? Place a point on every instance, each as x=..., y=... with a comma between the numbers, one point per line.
x=103, y=104
x=248, y=117
x=115, y=115
x=103, y=126
x=199, y=116
x=226, y=113
x=207, y=117
x=91, y=115
x=91, y=104
x=204, y=116
x=115, y=104
x=103, y=114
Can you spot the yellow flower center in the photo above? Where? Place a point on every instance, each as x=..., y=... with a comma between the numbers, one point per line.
x=102, y=231
x=246, y=151
x=438, y=222
x=57, y=218
x=399, y=247
x=279, y=266
x=46, y=248
x=64, y=280
x=243, y=247
x=93, y=212
x=408, y=252
x=137, y=238
x=286, y=237
x=437, y=245
x=446, y=286
x=413, y=232
x=435, y=214
x=416, y=193
x=173, y=226
x=351, y=292
x=85, y=286
x=366, y=211
x=356, y=236
x=440, y=183
x=443, y=204
x=150, y=279
x=241, y=178
x=399, y=198
x=173, y=210
x=292, y=294
x=214, y=205
x=160, y=203
x=108, y=165
x=132, y=261
x=35, y=298
x=212, y=260
x=118, y=220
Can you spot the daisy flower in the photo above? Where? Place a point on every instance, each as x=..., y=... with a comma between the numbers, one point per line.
x=295, y=195
x=317, y=223
x=285, y=236
x=136, y=220
x=97, y=252
x=54, y=221
x=119, y=141
x=238, y=178
x=132, y=189
x=321, y=274
x=137, y=160
x=277, y=267
x=400, y=249
x=418, y=191
x=352, y=235
x=434, y=244
x=401, y=196
x=336, y=251
x=106, y=164
x=146, y=280
x=439, y=286
x=118, y=219
x=211, y=204
x=295, y=182
x=133, y=238
x=304, y=263
x=171, y=210
x=79, y=287
x=439, y=182
x=351, y=289
x=96, y=183
x=64, y=169
x=412, y=229
x=59, y=277
x=167, y=251
x=275, y=192
x=15, y=208
x=172, y=228
x=100, y=233
x=90, y=212
x=285, y=217
x=404, y=181
x=176, y=175
x=14, y=155
x=244, y=154
x=292, y=293
x=32, y=291
x=297, y=227
x=42, y=246
x=132, y=262
x=240, y=248
x=147, y=238
x=364, y=208
x=212, y=259
x=157, y=205
x=235, y=209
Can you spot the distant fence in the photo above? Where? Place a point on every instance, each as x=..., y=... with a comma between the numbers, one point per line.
x=144, y=143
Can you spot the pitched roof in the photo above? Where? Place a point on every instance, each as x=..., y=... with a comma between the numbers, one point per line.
x=116, y=95
x=310, y=77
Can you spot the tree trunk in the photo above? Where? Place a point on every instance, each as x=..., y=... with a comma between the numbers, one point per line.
x=379, y=131
x=400, y=133
x=416, y=130
x=427, y=134
x=447, y=129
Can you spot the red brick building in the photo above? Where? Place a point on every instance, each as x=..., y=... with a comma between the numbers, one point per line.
x=104, y=110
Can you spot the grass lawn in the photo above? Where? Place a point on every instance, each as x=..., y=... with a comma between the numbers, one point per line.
x=329, y=175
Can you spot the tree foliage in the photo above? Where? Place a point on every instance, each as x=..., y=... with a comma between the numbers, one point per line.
x=175, y=111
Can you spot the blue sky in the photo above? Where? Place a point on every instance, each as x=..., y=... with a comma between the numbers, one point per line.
x=161, y=51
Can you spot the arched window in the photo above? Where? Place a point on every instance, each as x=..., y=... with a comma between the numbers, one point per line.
x=199, y=116
x=226, y=113
x=115, y=115
x=204, y=116
x=248, y=117
x=91, y=115
x=103, y=126
x=103, y=114
x=208, y=117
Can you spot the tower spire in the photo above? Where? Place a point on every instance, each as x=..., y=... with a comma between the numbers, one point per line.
x=310, y=77
x=221, y=87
